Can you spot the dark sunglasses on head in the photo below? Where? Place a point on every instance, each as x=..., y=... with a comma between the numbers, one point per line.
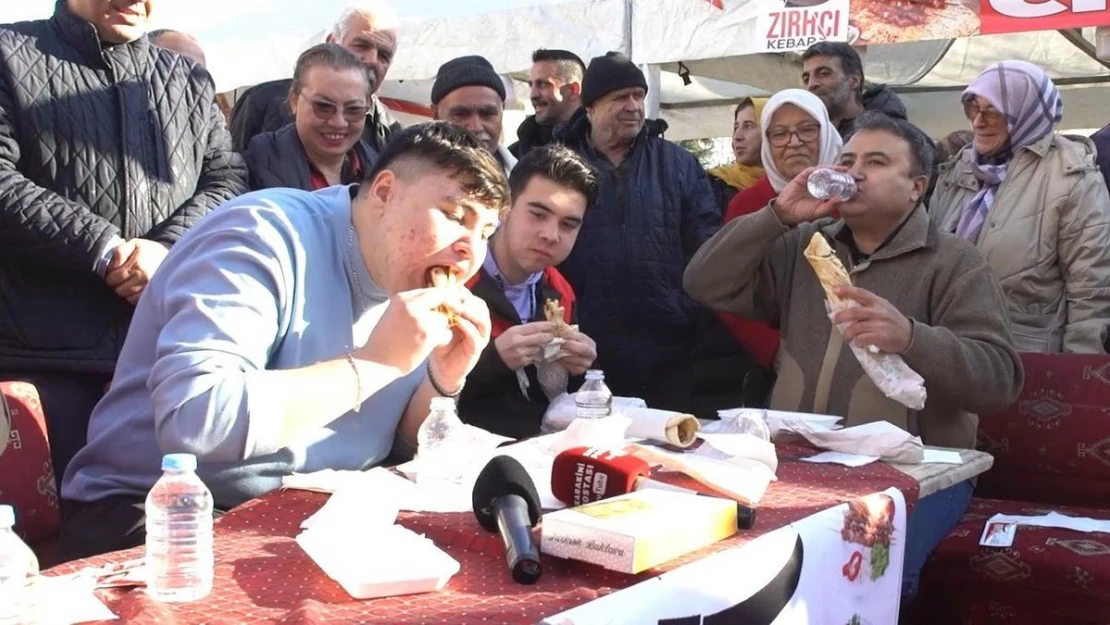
x=326, y=110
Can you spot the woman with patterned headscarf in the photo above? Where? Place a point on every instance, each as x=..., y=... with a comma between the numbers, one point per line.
x=1037, y=208
x=747, y=140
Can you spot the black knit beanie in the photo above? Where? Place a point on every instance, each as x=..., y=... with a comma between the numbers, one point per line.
x=609, y=73
x=466, y=71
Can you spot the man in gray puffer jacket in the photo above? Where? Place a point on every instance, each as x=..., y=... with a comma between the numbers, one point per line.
x=110, y=149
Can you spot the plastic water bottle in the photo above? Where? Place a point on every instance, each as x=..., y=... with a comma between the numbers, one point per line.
x=826, y=184
x=437, y=441
x=19, y=568
x=179, y=533
x=594, y=400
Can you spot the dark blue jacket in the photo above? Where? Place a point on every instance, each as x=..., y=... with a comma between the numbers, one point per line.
x=651, y=215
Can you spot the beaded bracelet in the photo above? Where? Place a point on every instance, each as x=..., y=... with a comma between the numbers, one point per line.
x=439, y=389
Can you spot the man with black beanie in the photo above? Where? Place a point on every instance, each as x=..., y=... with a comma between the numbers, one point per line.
x=470, y=93
x=653, y=210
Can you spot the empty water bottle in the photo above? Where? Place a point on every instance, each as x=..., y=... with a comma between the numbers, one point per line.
x=594, y=400
x=19, y=568
x=179, y=561
x=826, y=184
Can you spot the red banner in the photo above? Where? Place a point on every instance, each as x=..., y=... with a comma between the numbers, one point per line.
x=1010, y=16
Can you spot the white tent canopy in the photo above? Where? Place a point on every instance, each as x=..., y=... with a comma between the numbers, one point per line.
x=250, y=41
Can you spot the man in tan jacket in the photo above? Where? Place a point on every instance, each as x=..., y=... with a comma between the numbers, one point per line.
x=925, y=295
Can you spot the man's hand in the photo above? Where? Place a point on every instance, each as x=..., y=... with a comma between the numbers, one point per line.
x=794, y=205
x=581, y=353
x=520, y=346
x=411, y=327
x=874, y=322
x=132, y=265
x=453, y=361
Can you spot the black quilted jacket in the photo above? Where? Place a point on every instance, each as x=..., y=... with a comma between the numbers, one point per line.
x=126, y=140
x=651, y=215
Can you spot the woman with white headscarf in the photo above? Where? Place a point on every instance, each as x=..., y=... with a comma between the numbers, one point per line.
x=1037, y=208
x=797, y=134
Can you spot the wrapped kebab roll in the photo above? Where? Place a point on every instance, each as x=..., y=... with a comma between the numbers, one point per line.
x=888, y=371
x=675, y=428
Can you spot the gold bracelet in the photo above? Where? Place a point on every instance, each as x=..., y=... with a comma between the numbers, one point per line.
x=358, y=383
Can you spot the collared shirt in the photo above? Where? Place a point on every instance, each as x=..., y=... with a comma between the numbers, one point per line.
x=844, y=235
x=351, y=173
x=522, y=296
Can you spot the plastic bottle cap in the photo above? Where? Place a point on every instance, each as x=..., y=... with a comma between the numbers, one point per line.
x=7, y=517
x=179, y=462
x=595, y=374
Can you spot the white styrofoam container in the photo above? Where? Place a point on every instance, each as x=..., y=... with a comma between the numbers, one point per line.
x=382, y=562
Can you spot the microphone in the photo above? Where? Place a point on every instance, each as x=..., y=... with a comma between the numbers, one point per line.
x=582, y=475
x=505, y=501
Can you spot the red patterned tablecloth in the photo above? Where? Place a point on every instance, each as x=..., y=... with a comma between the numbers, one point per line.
x=263, y=576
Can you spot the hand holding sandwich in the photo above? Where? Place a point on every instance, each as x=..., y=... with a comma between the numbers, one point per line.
x=443, y=323
x=875, y=322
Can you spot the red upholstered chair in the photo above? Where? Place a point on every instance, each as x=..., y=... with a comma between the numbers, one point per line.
x=26, y=471
x=1052, y=452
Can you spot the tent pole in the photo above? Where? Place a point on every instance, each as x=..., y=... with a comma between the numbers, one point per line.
x=651, y=103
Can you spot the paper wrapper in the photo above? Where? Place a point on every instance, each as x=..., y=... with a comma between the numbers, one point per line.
x=881, y=439
x=675, y=428
x=888, y=371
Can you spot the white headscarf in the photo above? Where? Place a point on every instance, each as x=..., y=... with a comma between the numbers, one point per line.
x=831, y=142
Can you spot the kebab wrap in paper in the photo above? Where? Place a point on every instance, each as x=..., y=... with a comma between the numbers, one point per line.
x=664, y=426
x=888, y=371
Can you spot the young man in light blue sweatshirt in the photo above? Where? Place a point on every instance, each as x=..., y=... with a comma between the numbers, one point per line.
x=294, y=331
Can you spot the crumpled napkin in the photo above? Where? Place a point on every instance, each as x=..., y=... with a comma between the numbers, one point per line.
x=879, y=438
x=888, y=371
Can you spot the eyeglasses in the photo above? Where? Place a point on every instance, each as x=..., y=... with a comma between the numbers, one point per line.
x=326, y=110
x=973, y=110
x=780, y=137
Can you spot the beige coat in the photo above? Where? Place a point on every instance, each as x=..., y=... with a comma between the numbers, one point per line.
x=961, y=342
x=1047, y=240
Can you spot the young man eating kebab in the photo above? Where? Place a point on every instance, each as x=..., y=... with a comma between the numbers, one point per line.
x=535, y=346
x=294, y=331
x=925, y=296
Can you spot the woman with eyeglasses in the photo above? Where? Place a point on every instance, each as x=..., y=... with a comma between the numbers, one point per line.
x=797, y=134
x=1036, y=206
x=322, y=147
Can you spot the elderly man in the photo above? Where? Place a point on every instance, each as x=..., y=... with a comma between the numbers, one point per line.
x=556, y=83
x=179, y=42
x=922, y=294
x=469, y=92
x=295, y=331
x=369, y=31
x=110, y=149
x=654, y=210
